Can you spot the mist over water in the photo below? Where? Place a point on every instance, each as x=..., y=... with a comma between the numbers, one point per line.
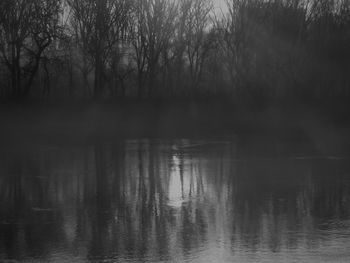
x=238, y=199
x=174, y=131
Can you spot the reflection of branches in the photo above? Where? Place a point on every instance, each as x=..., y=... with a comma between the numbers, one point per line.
x=265, y=200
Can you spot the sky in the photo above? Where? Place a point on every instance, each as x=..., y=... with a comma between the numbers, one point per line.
x=219, y=4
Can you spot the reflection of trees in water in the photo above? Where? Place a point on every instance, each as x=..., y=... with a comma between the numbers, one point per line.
x=146, y=199
x=286, y=203
x=29, y=220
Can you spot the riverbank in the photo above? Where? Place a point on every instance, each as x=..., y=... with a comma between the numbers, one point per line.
x=81, y=122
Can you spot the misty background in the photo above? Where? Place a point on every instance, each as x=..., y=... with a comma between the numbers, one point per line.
x=174, y=130
x=251, y=51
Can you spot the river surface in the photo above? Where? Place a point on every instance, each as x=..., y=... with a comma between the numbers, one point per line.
x=234, y=199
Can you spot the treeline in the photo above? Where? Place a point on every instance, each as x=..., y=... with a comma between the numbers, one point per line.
x=251, y=49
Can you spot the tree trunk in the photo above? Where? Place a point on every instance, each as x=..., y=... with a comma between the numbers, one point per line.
x=99, y=66
x=15, y=75
x=139, y=84
x=98, y=86
x=33, y=72
x=151, y=78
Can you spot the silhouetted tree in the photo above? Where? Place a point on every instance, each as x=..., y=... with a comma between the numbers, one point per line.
x=27, y=28
x=254, y=49
x=99, y=26
x=197, y=41
x=153, y=29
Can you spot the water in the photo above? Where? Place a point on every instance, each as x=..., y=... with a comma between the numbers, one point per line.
x=238, y=199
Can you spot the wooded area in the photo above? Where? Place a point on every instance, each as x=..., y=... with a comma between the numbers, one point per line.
x=253, y=50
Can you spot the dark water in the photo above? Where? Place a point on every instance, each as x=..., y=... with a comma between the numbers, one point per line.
x=227, y=200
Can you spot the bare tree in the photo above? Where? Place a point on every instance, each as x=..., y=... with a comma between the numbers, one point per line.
x=99, y=26
x=27, y=28
x=118, y=61
x=231, y=28
x=179, y=45
x=81, y=16
x=198, y=44
x=152, y=31
x=139, y=44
